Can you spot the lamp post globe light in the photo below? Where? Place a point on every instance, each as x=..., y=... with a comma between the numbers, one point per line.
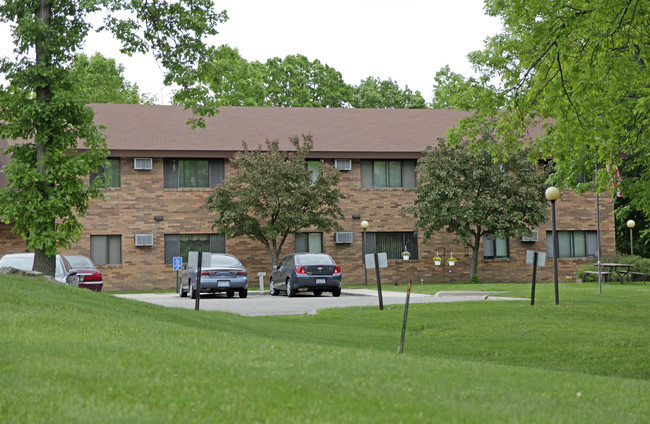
x=552, y=194
x=364, y=225
x=630, y=225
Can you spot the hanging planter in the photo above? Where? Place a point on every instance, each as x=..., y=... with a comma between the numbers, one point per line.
x=451, y=261
x=437, y=260
x=406, y=255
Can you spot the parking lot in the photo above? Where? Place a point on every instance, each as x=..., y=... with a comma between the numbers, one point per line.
x=262, y=304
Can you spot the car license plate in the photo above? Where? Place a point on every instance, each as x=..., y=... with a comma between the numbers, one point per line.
x=223, y=283
x=320, y=281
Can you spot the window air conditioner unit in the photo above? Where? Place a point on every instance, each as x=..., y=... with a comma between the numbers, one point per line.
x=343, y=164
x=531, y=238
x=142, y=163
x=144, y=239
x=343, y=237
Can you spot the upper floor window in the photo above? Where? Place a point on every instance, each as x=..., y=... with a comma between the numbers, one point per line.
x=388, y=173
x=193, y=173
x=494, y=247
x=573, y=244
x=182, y=244
x=309, y=243
x=109, y=174
x=393, y=244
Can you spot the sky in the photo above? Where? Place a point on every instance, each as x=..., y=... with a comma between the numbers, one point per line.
x=407, y=40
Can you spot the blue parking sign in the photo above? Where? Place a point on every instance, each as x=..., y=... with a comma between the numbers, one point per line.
x=178, y=263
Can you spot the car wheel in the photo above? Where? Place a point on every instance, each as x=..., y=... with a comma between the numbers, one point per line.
x=317, y=292
x=181, y=292
x=290, y=291
x=230, y=293
x=243, y=293
x=192, y=291
x=336, y=292
x=272, y=289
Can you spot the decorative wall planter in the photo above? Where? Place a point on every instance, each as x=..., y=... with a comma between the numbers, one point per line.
x=437, y=261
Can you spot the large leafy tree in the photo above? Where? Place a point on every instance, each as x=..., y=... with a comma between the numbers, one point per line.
x=274, y=195
x=471, y=195
x=101, y=80
x=296, y=81
x=580, y=70
x=233, y=80
x=39, y=104
x=373, y=93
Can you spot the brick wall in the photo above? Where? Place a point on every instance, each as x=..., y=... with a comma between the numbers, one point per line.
x=131, y=209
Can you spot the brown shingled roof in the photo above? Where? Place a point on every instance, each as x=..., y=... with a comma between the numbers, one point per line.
x=163, y=130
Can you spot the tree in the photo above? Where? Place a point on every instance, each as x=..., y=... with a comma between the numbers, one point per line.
x=101, y=80
x=295, y=81
x=472, y=195
x=579, y=70
x=373, y=93
x=46, y=190
x=274, y=195
x=233, y=80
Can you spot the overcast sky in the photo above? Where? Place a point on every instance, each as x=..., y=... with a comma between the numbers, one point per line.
x=406, y=40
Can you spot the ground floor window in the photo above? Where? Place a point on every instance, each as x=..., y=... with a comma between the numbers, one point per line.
x=494, y=247
x=309, y=242
x=393, y=244
x=573, y=244
x=182, y=244
x=106, y=250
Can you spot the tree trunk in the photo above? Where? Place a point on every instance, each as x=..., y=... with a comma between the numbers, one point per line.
x=42, y=262
x=473, y=270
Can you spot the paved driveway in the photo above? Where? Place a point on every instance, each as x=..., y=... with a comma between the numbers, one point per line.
x=259, y=304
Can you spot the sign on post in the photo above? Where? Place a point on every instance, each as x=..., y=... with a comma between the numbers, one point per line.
x=382, y=259
x=178, y=263
x=372, y=260
x=535, y=259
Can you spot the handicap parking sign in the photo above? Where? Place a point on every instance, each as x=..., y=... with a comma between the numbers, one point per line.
x=178, y=263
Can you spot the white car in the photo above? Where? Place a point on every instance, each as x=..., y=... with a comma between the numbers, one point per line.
x=64, y=272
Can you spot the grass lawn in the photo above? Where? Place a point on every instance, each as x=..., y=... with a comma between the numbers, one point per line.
x=75, y=356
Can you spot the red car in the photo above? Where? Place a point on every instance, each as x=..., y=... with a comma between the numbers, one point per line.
x=89, y=276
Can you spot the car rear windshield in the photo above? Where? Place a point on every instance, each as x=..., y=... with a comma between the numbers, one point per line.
x=80, y=262
x=314, y=260
x=220, y=260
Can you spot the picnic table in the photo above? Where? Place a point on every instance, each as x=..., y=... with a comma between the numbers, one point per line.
x=622, y=270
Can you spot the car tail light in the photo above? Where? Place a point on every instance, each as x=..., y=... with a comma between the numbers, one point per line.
x=96, y=276
x=240, y=272
x=300, y=270
x=207, y=272
x=337, y=270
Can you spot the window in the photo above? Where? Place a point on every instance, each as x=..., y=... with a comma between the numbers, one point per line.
x=313, y=168
x=181, y=244
x=388, y=173
x=494, y=247
x=393, y=244
x=106, y=250
x=110, y=174
x=573, y=244
x=309, y=242
x=193, y=173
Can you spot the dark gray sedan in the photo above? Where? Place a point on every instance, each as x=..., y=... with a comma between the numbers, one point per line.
x=301, y=272
x=226, y=274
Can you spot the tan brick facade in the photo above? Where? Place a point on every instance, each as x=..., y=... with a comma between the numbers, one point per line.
x=160, y=132
x=131, y=209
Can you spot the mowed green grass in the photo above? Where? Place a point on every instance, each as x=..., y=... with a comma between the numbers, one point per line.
x=74, y=356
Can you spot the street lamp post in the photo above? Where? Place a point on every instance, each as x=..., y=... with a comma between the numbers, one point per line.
x=552, y=194
x=364, y=225
x=630, y=225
